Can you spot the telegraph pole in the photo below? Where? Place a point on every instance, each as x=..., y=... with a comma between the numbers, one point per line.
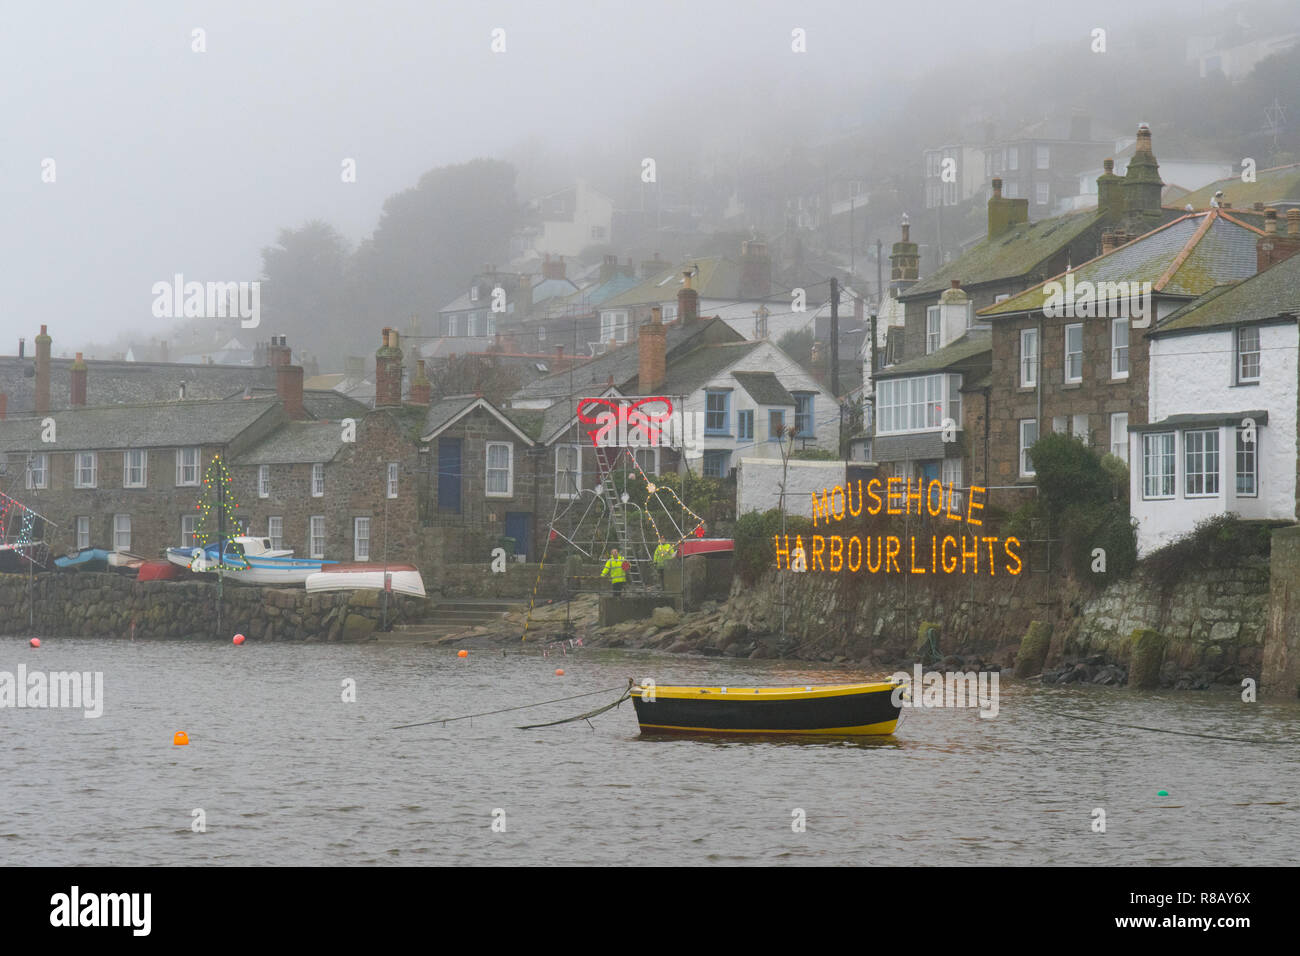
x=835, y=337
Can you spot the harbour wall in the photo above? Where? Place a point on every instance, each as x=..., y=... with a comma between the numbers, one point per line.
x=107, y=605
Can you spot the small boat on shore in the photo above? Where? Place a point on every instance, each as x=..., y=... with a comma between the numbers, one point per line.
x=365, y=576
x=158, y=571
x=83, y=559
x=125, y=561
x=248, y=560
x=847, y=710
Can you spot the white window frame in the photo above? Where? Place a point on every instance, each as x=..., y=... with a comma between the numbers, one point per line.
x=121, y=527
x=1013, y=158
x=391, y=490
x=1246, y=452
x=1079, y=428
x=933, y=329
x=743, y=415
x=187, y=537
x=1026, y=465
x=82, y=525
x=1119, y=355
x=318, y=480
x=275, y=531
x=85, y=462
x=128, y=467
x=918, y=404
x=1243, y=367
x=1119, y=435
x=315, y=523
x=1065, y=369
x=38, y=471
x=359, y=525
x=1042, y=194
x=654, y=453
x=613, y=325
x=453, y=326
x=1210, y=461
x=182, y=481
x=570, y=488
x=509, y=469
x=1028, y=361
x=263, y=481
x=1043, y=157
x=1149, y=454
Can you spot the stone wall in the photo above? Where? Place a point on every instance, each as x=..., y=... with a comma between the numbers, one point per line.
x=106, y=605
x=1281, y=668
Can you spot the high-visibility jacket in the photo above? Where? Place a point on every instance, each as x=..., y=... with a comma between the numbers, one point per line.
x=662, y=554
x=614, y=568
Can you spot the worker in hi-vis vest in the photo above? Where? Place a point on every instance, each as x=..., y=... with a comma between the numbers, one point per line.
x=663, y=554
x=616, y=568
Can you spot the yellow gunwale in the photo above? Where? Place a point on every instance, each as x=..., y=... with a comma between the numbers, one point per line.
x=809, y=692
x=883, y=728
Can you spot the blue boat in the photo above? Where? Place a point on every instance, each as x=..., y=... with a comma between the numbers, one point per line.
x=248, y=560
x=86, y=559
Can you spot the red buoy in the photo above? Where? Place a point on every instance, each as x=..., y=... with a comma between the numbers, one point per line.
x=35, y=642
x=238, y=639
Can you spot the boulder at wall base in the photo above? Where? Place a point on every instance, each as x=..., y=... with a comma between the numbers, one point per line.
x=662, y=617
x=1033, y=650
x=1148, y=652
x=357, y=628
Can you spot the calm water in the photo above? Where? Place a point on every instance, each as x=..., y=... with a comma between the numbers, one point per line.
x=289, y=774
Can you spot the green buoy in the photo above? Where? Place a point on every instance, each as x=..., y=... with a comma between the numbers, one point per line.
x=1163, y=793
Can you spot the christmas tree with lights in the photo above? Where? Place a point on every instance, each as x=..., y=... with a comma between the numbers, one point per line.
x=216, y=508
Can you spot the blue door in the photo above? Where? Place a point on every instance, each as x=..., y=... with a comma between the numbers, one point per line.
x=517, y=527
x=929, y=472
x=449, y=474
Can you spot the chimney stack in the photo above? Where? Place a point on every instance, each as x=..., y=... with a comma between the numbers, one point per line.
x=1142, y=183
x=77, y=387
x=1110, y=192
x=388, y=371
x=651, y=352
x=421, y=387
x=755, y=270
x=1274, y=247
x=1107, y=242
x=1005, y=214
x=288, y=385
x=553, y=269
x=278, y=352
x=43, y=372
x=4, y=405
x=688, y=302
x=905, y=258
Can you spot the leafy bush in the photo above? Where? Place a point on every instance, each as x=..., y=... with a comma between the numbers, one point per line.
x=1069, y=473
x=1086, y=528
x=754, y=540
x=1223, y=541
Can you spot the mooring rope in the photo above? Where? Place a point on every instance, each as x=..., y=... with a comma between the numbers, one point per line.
x=487, y=713
x=1180, y=733
x=589, y=714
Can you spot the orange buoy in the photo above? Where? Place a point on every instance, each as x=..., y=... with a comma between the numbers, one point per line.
x=180, y=739
x=35, y=642
x=462, y=653
x=559, y=672
x=237, y=639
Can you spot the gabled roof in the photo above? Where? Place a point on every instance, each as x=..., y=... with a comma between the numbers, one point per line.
x=764, y=388
x=446, y=412
x=321, y=404
x=1274, y=292
x=1187, y=257
x=623, y=363
x=153, y=425
x=1017, y=252
x=1278, y=185
x=961, y=353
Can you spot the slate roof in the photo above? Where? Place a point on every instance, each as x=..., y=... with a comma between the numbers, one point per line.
x=154, y=425
x=296, y=443
x=446, y=412
x=1186, y=257
x=623, y=363
x=1207, y=419
x=321, y=404
x=1278, y=185
x=1267, y=295
x=697, y=367
x=118, y=382
x=959, y=354
x=764, y=388
x=1017, y=252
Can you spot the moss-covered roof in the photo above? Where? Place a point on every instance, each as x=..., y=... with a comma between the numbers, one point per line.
x=1187, y=257
x=1270, y=294
x=1280, y=184
x=963, y=353
x=1017, y=252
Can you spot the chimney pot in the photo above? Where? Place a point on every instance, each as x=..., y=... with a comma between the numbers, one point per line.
x=1293, y=222
x=288, y=385
x=997, y=188
x=1270, y=221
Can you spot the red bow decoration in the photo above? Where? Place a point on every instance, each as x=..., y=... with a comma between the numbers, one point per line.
x=627, y=419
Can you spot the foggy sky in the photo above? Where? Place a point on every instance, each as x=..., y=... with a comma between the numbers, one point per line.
x=174, y=161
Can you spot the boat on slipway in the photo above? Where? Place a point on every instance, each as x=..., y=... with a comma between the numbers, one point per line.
x=248, y=560
x=364, y=576
x=82, y=559
x=848, y=710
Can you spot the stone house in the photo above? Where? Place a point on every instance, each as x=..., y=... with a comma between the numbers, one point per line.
x=1070, y=354
x=1222, y=399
